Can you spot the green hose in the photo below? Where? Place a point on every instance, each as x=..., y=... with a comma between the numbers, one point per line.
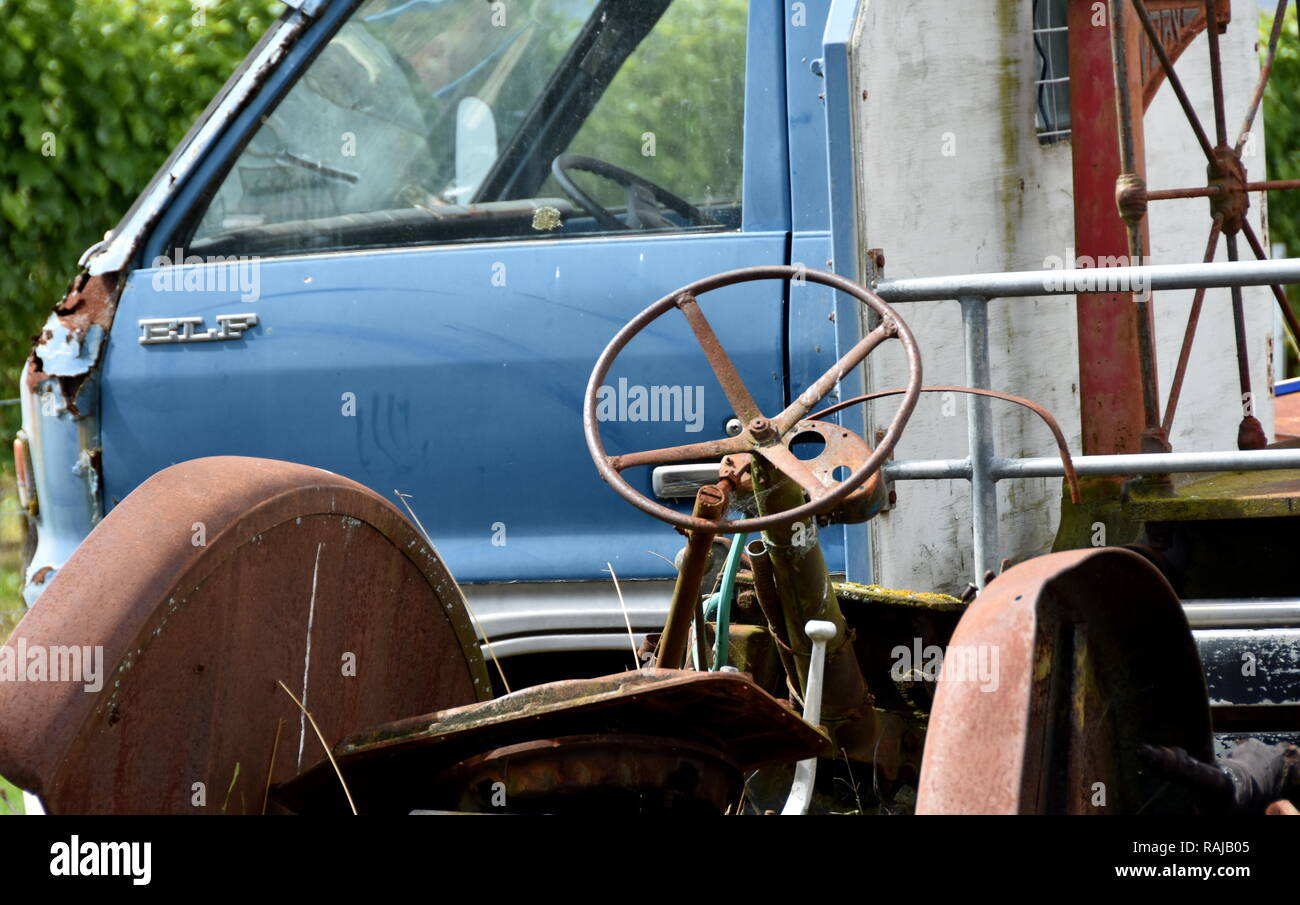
x=722, y=600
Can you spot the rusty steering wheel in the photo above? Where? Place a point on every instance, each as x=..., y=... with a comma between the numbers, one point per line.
x=761, y=436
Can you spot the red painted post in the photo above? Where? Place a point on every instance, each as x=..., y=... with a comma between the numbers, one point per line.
x=1110, y=386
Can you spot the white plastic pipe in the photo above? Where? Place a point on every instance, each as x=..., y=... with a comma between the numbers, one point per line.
x=819, y=632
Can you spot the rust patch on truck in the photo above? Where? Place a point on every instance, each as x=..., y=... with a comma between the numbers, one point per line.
x=79, y=325
x=90, y=300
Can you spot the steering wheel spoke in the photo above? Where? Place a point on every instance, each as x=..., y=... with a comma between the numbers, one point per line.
x=795, y=411
x=742, y=403
x=687, y=452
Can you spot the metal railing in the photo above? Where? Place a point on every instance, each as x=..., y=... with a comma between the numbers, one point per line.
x=982, y=466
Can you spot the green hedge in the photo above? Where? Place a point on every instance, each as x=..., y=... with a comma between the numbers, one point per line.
x=94, y=94
x=1282, y=147
x=1282, y=134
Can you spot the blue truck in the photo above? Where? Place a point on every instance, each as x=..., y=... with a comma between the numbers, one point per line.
x=397, y=263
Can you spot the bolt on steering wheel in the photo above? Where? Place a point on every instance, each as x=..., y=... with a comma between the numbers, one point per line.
x=761, y=436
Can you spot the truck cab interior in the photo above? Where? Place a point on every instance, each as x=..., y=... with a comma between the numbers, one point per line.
x=485, y=124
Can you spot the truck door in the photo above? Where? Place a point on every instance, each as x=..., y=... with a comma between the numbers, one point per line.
x=405, y=266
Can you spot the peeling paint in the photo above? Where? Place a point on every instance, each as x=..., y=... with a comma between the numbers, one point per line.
x=69, y=348
x=87, y=470
x=66, y=353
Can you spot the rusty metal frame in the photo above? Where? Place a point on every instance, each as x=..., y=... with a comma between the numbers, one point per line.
x=1067, y=460
x=1176, y=35
x=1227, y=187
x=1069, y=700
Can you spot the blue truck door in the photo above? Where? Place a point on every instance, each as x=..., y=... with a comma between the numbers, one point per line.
x=822, y=324
x=380, y=274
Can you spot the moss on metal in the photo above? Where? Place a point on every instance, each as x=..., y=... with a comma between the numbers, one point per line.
x=851, y=592
x=1222, y=495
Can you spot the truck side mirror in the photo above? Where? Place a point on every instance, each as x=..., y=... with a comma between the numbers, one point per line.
x=476, y=148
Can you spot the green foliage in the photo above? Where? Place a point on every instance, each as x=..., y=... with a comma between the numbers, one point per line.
x=674, y=113
x=11, y=799
x=1282, y=133
x=94, y=94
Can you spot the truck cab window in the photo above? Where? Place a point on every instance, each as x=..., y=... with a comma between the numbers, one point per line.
x=436, y=121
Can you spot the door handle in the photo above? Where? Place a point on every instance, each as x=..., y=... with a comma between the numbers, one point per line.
x=681, y=482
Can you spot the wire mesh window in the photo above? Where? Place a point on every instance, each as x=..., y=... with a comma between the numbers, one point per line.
x=1052, y=86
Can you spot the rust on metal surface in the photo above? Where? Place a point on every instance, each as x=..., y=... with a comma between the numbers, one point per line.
x=805, y=592
x=1169, y=27
x=389, y=765
x=1177, y=23
x=1130, y=184
x=1265, y=72
x=1073, y=688
x=841, y=449
x=1189, y=332
x=90, y=301
x=710, y=504
x=1210, y=191
x=1226, y=174
x=769, y=603
x=742, y=403
x=211, y=582
x=591, y=774
x=761, y=436
x=88, y=306
x=1279, y=294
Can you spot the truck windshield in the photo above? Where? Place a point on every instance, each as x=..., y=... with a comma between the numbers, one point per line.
x=426, y=121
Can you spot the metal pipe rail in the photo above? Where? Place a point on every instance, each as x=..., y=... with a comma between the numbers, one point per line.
x=1036, y=283
x=983, y=467
x=1137, y=463
x=1262, y=612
